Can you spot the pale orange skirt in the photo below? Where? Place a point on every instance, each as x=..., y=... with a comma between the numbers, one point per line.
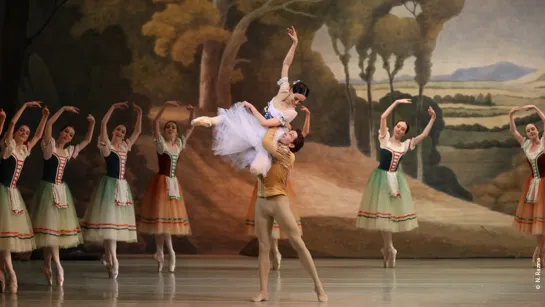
x=276, y=232
x=160, y=214
x=530, y=217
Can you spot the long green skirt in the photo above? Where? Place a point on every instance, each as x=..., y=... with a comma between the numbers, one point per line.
x=54, y=226
x=105, y=220
x=381, y=211
x=16, y=233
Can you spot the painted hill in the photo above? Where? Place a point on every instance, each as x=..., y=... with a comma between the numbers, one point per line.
x=536, y=76
x=501, y=71
x=329, y=194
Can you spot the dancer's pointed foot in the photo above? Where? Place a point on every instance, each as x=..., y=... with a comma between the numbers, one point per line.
x=106, y=265
x=60, y=276
x=384, y=253
x=48, y=274
x=115, y=271
x=260, y=297
x=320, y=293
x=535, y=257
x=171, y=262
x=276, y=259
x=2, y=281
x=12, y=286
x=160, y=258
x=392, y=253
x=203, y=121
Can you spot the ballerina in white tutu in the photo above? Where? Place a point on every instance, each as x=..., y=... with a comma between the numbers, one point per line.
x=238, y=133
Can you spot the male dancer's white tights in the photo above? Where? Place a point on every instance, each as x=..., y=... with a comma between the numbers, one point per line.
x=278, y=208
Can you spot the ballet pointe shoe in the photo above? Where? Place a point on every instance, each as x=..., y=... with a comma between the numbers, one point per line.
x=260, y=297
x=392, y=253
x=276, y=259
x=107, y=266
x=320, y=294
x=2, y=281
x=535, y=257
x=384, y=253
x=48, y=274
x=60, y=276
x=203, y=121
x=12, y=286
x=172, y=263
x=160, y=258
x=114, y=271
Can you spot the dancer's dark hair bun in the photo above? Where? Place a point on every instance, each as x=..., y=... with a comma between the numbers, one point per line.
x=300, y=88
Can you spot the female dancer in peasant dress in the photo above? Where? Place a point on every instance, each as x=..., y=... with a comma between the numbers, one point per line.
x=162, y=210
x=54, y=218
x=530, y=214
x=277, y=233
x=386, y=204
x=16, y=234
x=238, y=134
x=110, y=217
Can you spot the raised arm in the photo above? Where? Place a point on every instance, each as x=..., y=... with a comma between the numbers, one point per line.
x=384, y=116
x=156, y=127
x=138, y=125
x=189, y=130
x=538, y=111
x=418, y=139
x=89, y=134
x=17, y=115
x=104, y=124
x=273, y=122
x=2, y=120
x=49, y=126
x=513, y=126
x=288, y=60
x=306, y=125
x=40, y=130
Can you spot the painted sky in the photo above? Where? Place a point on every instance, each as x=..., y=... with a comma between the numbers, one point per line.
x=485, y=32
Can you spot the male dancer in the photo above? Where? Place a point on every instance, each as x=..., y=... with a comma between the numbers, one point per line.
x=273, y=204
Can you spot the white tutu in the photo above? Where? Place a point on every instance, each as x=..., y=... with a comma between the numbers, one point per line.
x=238, y=138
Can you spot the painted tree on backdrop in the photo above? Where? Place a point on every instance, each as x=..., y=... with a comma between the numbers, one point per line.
x=183, y=26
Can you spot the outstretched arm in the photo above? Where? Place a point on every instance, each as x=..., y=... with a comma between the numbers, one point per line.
x=273, y=122
x=418, y=139
x=15, y=119
x=40, y=130
x=189, y=130
x=2, y=120
x=89, y=134
x=49, y=126
x=137, y=126
x=513, y=126
x=104, y=124
x=384, y=116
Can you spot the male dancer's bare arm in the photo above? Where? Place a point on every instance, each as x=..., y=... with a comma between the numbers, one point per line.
x=271, y=146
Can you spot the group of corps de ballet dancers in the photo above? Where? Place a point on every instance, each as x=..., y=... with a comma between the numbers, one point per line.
x=264, y=143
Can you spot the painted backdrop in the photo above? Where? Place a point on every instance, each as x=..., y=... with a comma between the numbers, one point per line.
x=470, y=60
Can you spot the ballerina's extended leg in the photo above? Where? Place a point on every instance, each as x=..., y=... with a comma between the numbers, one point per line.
x=206, y=121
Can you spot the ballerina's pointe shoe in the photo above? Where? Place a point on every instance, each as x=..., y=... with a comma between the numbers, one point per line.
x=535, y=257
x=12, y=286
x=321, y=295
x=384, y=257
x=276, y=259
x=172, y=263
x=203, y=121
x=392, y=253
x=115, y=271
x=2, y=281
x=260, y=297
x=160, y=258
x=60, y=276
x=48, y=275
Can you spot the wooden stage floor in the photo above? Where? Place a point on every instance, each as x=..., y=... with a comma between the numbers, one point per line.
x=231, y=281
